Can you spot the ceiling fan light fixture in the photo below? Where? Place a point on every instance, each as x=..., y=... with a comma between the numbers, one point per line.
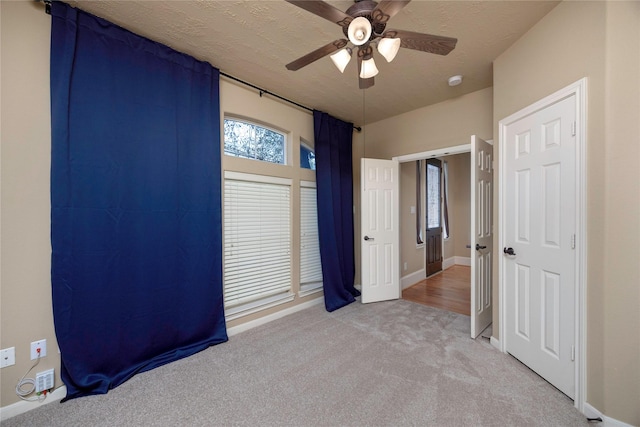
x=341, y=58
x=368, y=69
x=359, y=31
x=388, y=48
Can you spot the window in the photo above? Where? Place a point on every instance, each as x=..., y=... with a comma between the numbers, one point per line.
x=433, y=196
x=251, y=141
x=419, y=240
x=310, y=266
x=307, y=157
x=445, y=203
x=257, y=242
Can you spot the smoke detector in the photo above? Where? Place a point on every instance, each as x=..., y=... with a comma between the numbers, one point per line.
x=455, y=80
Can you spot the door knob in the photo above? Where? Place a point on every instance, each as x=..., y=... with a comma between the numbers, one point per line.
x=478, y=247
x=509, y=251
x=367, y=238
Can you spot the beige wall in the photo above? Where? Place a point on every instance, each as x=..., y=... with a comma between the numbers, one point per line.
x=25, y=289
x=600, y=41
x=410, y=252
x=25, y=299
x=446, y=124
x=621, y=387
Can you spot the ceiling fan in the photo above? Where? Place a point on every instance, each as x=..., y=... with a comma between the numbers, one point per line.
x=364, y=24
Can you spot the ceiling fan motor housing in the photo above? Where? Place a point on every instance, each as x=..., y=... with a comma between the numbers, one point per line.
x=365, y=8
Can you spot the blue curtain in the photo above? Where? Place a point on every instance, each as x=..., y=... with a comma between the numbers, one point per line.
x=135, y=203
x=334, y=181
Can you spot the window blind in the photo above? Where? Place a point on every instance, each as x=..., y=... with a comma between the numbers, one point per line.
x=310, y=267
x=257, y=240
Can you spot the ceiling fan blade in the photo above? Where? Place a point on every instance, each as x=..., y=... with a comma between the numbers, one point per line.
x=317, y=54
x=386, y=9
x=364, y=83
x=439, y=45
x=324, y=10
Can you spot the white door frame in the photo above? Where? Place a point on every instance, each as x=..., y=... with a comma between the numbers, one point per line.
x=578, y=89
x=431, y=154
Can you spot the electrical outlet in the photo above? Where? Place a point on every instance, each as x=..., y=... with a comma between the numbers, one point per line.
x=44, y=380
x=7, y=357
x=405, y=266
x=40, y=344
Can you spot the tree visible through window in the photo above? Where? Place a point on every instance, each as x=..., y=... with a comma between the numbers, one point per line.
x=252, y=141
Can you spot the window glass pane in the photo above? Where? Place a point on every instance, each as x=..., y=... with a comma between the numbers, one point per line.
x=251, y=141
x=419, y=240
x=433, y=196
x=307, y=157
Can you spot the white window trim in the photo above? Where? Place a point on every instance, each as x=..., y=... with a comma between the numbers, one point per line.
x=256, y=306
x=309, y=289
x=240, y=176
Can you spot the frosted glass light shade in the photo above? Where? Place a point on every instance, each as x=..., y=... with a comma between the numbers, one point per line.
x=388, y=48
x=359, y=31
x=341, y=58
x=368, y=69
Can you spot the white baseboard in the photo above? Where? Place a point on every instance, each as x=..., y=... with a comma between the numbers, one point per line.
x=591, y=412
x=412, y=278
x=274, y=316
x=496, y=343
x=462, y=260
x=612, y=422
x=456, y=260
x=23, y=406
x=448, y=263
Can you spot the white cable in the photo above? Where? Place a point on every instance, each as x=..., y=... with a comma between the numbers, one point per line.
x=29, y=381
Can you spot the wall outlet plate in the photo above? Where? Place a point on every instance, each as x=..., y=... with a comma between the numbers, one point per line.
x=40, y=344
x=7, y=357
x=44, y=380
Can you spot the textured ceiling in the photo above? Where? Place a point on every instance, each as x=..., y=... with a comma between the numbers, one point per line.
x=253, y=40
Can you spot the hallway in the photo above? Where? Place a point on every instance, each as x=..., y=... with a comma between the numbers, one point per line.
x=449, y=290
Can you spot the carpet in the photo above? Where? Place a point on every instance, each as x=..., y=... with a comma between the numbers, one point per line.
x=393, y=363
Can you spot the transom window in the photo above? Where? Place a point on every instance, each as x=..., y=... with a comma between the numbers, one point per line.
x=252, y=141
x=307, y=156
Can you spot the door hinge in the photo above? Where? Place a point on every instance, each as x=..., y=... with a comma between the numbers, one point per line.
x=573, y=129
x=573, y=353
x=573, y=241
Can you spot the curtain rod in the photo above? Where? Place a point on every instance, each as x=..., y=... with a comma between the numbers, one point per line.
x=263, y=91
x=47, y=5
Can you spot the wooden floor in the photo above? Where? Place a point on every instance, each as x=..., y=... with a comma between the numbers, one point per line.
x=449, y=290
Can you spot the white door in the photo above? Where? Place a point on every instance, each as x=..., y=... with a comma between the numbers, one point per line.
x=380, y=226
x=539, y=237
x=481, y=234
